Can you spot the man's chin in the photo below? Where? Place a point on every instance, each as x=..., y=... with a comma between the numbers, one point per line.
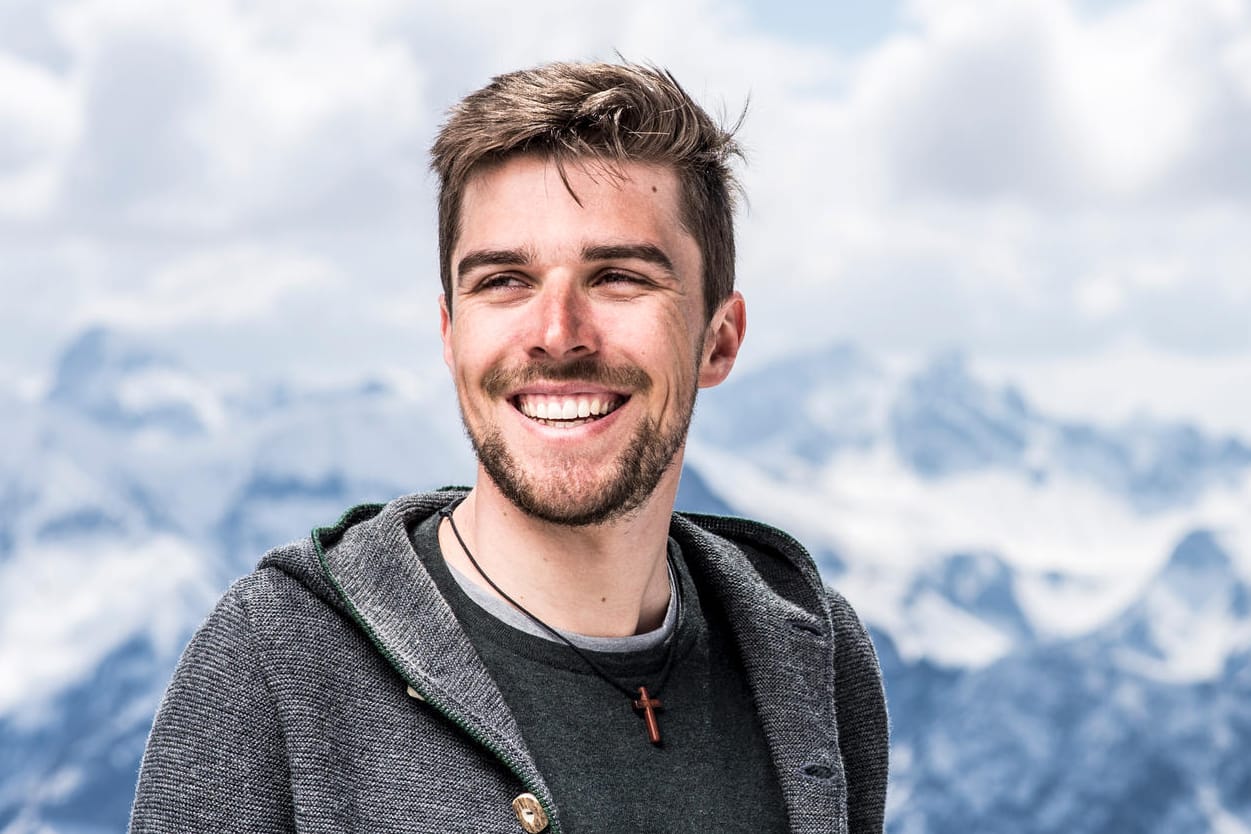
x=579, y=492
x=554, y=499
x=576, y=515
x=561, y=495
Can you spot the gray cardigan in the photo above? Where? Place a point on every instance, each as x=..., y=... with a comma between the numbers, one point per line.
x=333, y=690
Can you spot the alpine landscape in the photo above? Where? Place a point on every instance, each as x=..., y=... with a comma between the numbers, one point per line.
x=1061, y=607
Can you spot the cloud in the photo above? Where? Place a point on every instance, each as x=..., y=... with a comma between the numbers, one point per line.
x=223, y=116
x=995, y=174
x=1031, y=99
x=229, y=287
x=1022, y=162
x=39, y=122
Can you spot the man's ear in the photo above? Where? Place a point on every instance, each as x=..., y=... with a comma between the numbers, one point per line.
x=445, y=330
x=722, y=340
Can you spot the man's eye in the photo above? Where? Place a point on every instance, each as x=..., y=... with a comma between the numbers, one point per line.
x=620, y=278
x=499, y=282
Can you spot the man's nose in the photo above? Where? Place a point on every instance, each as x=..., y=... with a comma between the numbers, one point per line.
x=563, y=328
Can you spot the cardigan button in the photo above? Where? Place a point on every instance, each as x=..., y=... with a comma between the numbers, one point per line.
x=530, y=813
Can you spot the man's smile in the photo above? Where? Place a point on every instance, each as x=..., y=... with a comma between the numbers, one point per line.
x=563, y=410
x=567, y=395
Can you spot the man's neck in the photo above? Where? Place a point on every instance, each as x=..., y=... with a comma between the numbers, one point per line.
x=605, y=580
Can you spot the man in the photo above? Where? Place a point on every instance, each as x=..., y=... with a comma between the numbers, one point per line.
x=553, y=649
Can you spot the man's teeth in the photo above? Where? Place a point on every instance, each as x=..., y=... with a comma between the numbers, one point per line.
x=543, y=407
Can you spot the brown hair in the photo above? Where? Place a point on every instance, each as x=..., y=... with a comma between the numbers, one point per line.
x=609, y=113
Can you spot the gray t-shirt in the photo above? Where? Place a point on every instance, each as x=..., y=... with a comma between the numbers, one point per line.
x=711, y=773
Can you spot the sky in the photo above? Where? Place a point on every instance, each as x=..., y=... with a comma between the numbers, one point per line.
x=1060, y=189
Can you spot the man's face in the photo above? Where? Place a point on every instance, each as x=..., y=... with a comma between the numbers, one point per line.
x=577, y=338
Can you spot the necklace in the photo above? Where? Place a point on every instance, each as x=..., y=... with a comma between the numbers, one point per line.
x=642, y=700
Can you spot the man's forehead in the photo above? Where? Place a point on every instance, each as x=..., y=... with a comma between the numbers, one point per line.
x=530, y=200
x=568, y=171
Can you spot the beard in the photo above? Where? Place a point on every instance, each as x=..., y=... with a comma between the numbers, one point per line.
x=563, y=494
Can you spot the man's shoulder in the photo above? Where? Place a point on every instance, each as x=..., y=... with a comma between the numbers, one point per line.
x=761, y=538
x=777, y=558
x=297, y=589
x=745, y=546
x=358, y=531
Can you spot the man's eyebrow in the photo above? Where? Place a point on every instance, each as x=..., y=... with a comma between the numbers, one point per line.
x=629, y=251
x=492, y=257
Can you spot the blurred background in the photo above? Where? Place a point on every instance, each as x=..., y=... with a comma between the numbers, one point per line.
x=997, y=257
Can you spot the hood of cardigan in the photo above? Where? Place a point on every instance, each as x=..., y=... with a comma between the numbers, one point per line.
x=373, y=540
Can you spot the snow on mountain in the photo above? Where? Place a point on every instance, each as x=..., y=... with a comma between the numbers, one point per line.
x=1061, y=608
x=1076, y=555
x=941, y=422
x=1190, y=619
x=70, y=602
x=789, y=419
x=128, y=385
x=973, y=596
x=944, y=422
x=1141, y=725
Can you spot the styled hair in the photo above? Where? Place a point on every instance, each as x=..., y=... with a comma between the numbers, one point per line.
x=608, y=114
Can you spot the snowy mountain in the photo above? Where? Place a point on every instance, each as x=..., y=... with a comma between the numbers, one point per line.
x=1063, y=609
x=940, y=422
x=1141, y=725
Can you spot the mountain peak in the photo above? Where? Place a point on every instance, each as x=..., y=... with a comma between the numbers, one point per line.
x=1198, y=569
x=799, y=410
x=1190, y=617
x=96, y=352
x=979, y=583
x=945, y=421
x=119, y=380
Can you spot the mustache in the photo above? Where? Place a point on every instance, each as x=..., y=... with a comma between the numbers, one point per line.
x=498, y=381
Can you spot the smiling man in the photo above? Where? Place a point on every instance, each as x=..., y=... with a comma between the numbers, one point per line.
x=554, y=649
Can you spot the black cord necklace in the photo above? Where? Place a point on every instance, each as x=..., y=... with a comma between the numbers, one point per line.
x=645, y=702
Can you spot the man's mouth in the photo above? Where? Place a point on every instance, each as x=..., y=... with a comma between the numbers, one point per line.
x=565, y=411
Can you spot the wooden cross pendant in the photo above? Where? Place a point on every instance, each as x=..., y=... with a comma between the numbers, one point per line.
x=649, y=705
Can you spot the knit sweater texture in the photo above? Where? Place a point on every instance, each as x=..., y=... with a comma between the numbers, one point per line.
x=333, y=689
